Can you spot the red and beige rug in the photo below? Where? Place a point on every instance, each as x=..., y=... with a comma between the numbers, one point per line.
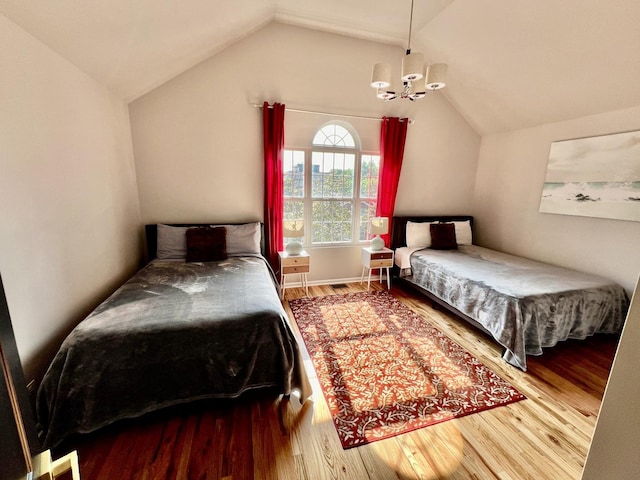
x=385, y=370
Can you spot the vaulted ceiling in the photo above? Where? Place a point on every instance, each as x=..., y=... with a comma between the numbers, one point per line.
x=512, y=63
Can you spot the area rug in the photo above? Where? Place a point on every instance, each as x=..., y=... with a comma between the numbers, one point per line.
x=385, y=370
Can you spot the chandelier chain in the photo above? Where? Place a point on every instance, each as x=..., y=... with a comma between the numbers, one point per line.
x=410, y=25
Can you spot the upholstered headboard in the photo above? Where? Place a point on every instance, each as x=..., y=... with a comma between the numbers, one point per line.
x=151, y=234
x=399, y=225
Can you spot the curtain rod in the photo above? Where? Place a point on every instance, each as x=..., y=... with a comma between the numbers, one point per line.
x=313, y=112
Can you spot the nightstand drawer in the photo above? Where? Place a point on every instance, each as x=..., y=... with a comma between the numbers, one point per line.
x=383, y=263
x=295, y=269
x=381, y=255
x=295, y=261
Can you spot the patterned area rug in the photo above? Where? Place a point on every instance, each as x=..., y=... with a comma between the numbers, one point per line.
x=385, y=370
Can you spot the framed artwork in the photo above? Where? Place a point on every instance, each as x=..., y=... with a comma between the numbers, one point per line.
x=594, y=177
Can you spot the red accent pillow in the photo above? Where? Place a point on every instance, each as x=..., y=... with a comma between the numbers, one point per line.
x=443, y=236
x=206, y=244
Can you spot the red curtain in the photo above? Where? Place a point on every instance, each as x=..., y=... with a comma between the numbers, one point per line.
x=273, y=120
x=392, y=137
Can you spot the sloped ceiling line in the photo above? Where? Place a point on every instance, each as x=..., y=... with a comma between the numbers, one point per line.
x=512, y=63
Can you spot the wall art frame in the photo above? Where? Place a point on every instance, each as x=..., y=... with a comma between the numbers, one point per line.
x=595, y=176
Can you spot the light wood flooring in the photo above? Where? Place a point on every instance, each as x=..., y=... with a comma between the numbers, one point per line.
x=544, y=437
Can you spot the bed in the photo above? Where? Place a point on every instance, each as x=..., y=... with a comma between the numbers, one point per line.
x=176, y=332
x=523, y=304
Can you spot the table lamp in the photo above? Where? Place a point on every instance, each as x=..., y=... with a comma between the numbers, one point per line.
x=379, y=226
x=293, y=229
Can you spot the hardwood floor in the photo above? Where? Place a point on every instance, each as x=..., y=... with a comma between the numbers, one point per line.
x=543, y=437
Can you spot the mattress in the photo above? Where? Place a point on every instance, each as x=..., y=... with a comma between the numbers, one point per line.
x=174, y=333
x=525, y=305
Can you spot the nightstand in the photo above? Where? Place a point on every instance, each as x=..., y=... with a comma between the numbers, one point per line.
x=376, y=259
x=290, y=264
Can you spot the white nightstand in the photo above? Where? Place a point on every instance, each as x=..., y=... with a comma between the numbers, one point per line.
x=376, y=259
x=290, y=264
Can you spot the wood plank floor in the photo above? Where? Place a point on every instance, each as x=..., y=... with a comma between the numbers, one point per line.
x=543, y=437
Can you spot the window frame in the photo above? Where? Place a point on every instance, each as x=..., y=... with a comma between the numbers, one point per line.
x=355, y=200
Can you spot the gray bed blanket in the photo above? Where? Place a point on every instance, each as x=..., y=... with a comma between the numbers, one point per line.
x=525, y=305
x=175, y=332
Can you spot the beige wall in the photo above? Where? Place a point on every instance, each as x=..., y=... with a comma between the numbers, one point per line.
x=613, y=454
x=69, y=213
x=198, y=141
x=511, y=172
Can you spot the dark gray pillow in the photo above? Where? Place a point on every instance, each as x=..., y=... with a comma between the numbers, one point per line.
x=206, y=244
x=443, y=236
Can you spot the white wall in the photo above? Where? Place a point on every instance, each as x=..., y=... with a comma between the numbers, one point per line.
x=69, y=212
x=198, y=141
x=511, y=172
x=613, y=453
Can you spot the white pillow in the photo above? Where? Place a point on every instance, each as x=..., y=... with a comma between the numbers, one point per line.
x=463, y=233
x=172, y=242
x=418, y=234
x=243, y=239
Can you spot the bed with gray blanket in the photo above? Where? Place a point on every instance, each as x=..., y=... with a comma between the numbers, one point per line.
x=176, y=332
x=523, y=304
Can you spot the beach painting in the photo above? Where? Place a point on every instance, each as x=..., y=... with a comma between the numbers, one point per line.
x=594, y=177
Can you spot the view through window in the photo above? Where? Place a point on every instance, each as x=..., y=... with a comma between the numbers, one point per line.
x=332, y=185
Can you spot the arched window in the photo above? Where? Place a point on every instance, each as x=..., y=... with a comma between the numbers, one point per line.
x=334, y=135
x=332, y=185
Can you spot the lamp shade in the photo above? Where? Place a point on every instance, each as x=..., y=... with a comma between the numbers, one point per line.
x=436, y=76
x=293, y=228
x=417, y=90
x=379, y=225
x=412, y=67
x=381, y=75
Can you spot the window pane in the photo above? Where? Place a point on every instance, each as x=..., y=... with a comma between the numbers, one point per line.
x=349, y=175
x=293, y=210
x=369, y=169
x=331, y=221
x=293, y=169
x=334, y=135
x=332, y=175
x=367, y=211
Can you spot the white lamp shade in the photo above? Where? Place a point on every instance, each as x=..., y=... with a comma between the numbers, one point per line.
x=381, y=75
x=436, y=76
x=417, y=90
x=412, y=67
x=379, y=225
x=293, y=228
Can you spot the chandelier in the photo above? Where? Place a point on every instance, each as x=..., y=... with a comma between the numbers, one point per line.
x=416, y=78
